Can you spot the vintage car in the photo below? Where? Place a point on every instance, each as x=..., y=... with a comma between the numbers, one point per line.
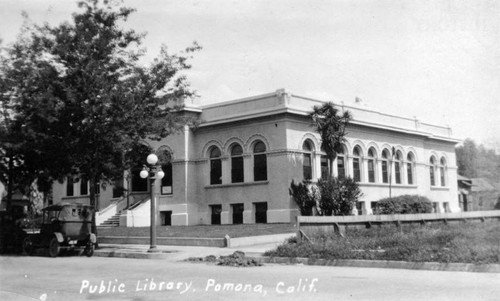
x=64, y=227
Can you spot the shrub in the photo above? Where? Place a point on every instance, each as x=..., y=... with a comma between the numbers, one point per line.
x=338, y=196
x=404, y=204
x=303, y=196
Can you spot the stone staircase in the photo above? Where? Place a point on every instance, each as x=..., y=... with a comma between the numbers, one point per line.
x=113, y=221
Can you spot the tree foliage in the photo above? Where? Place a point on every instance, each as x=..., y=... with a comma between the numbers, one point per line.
x=75, y=98
x=331, y=125
x=303, y=193
x=477, y=161
x=404, y=204
x=338, y=196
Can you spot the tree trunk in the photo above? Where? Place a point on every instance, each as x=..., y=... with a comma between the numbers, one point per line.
x=331, y=164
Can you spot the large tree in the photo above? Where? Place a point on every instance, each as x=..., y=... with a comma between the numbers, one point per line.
x=331, y=125
x=78, y=99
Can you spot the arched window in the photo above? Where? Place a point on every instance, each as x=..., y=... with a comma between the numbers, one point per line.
x=237, y=164
x=442, y=171
x=215, y=166
x=410, y=168
x=259, y=162
x=356, y=164
x=385, y=166
x=397, y=167
x=307, y=162
x=371, y=165
x=165, y=159
x=341, y=164
x=432, y=171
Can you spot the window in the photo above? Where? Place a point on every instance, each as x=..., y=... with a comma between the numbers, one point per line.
x=442, y=172
x=341, y=165
x=259, y=162
x=371, y=165
x=215, y=166
x=215, y=216
x=325, y=167
x=432, y=171
x=260, y=213
x=84, y=186
x=307, y=164
x=166, y=218
x=69, y=187
x=237, y=213
x=410, y=168
x=397, y=167
x=385, y=164
x=165, y=159
x=356, y=164
x=237, y=164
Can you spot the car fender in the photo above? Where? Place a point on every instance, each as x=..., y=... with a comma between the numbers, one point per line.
x=59, y=236
x=93, y=238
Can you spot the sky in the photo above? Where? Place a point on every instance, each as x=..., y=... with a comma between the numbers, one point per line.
x=438, y=60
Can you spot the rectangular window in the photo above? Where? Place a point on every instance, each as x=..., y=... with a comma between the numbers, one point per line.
x=69, y=187
x=260, y=167
x=261, y=213
x=307, y=167
x=371, y=171
x=216, y=211
x=397, y=167
x=359, y=207
x=356, y=170
x=385, y=177
x=84, y=187
x=443, y=182
x=410, y=173
x=215, y=171
x=373, y=206
x=325, y=167
x=166, y=218
x=237, y=169
x=433, y=180
x=237, y=213
x=340, y=168
x=166, y=181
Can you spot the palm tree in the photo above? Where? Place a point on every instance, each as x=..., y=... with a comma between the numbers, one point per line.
x=330, y=125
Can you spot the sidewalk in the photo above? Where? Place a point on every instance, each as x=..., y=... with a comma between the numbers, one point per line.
x=177, y=253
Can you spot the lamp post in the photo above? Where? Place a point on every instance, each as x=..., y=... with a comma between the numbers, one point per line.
x=153, y=172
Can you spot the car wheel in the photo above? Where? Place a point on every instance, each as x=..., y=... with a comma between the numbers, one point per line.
x=54, y=247
x=28, y=246
x=89, y=249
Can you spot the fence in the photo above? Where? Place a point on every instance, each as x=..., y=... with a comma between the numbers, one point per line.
x=308, y=225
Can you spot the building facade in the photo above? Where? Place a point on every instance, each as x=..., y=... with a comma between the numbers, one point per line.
x=237, y=165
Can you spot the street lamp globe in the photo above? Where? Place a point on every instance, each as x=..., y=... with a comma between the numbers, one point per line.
x=160, y=174
x=152, y=159
x=144, y=173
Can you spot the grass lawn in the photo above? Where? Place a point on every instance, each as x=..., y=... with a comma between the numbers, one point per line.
x=467, y=243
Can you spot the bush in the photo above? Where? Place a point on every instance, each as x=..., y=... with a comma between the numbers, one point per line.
x=404, y=204
x=303, y=197
x=338, y=196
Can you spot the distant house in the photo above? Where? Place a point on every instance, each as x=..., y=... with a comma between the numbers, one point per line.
x=485, y=193
x=236, y=167
x=465, y=199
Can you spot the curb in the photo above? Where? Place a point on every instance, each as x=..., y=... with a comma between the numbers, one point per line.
x=387, y=264
x=132, y=254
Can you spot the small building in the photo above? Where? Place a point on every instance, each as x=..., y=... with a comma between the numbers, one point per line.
x=465, y=200
x=237, y=166
x=485, y=193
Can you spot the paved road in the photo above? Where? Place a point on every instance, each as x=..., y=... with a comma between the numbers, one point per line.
x=98, y=278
